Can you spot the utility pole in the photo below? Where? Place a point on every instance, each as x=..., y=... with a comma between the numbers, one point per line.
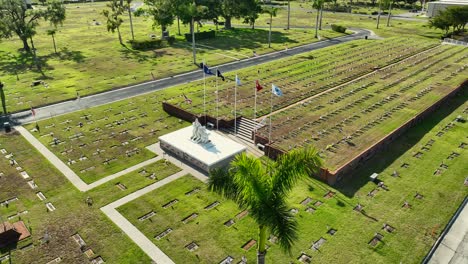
x=389, y=13
x=380, y=11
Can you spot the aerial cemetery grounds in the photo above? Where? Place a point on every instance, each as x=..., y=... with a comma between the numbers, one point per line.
x=387, y=115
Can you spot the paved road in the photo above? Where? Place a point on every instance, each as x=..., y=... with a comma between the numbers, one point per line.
x=143, y=88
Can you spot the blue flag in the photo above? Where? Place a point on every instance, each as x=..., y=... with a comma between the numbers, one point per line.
x=238, y=82
x=276, y=91
x=207, y=70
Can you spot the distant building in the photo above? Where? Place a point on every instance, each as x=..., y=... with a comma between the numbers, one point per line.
x=435, y=7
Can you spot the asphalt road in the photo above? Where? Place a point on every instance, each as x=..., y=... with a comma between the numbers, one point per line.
x=143, y=88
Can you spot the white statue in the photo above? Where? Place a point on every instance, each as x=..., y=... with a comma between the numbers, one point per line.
x=199, y=133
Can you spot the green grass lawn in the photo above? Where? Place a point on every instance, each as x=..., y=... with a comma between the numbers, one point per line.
x=71, y=216
x=91, y=60
x=415, y=228
x=109, y=192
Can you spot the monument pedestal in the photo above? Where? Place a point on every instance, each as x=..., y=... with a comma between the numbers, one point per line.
x=216, y=153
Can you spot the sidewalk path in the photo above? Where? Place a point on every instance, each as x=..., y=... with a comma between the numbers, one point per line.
x=454, y=246
x=156, y=254
x=69, y=173
x=143, y=88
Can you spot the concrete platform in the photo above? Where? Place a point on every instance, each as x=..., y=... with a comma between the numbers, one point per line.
x=215, y=154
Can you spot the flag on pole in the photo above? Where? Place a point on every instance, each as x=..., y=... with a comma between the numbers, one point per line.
x=207, y=70
x=238, y=81
x=258, y=86
x=187, y=100
x=219, y=74
x=276, y=90
x=33, y=112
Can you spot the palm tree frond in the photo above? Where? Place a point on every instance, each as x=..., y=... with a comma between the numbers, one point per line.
x=221, y=182
x=248, y=176
x=283, y=225
x=292, y=167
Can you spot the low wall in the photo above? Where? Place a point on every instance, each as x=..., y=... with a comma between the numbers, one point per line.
x=190, y=117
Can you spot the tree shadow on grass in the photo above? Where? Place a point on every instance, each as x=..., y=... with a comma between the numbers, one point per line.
x=24, y=61
x=241, y=38
x=350, y=185
x=135, y=55
x=238, y=38
x=70, y=55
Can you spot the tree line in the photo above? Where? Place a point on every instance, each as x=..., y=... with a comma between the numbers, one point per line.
x=454, y=17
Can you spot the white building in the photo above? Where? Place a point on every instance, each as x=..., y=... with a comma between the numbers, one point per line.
x=434, y=7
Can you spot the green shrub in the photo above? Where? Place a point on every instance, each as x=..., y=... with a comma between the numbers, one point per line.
x=152, y=44
x=338, y=28
x=201, y=35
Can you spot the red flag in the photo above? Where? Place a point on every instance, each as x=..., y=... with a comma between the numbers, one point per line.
x=33, y=112
x=258, y=86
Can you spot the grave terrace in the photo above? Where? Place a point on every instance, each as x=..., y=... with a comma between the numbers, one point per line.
x=347, y=108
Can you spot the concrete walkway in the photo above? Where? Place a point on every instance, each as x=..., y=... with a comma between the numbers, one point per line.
x=69, y=173
x=454, y=246
x=156, y=254
x=136, y=235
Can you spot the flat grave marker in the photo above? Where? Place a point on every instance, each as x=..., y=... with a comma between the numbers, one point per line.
x=249, y=244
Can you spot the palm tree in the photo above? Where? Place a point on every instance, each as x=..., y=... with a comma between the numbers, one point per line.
x=263, y=191
x=51, y=32
x=378, y=15
x=114, y=20
x=289, y=13
x=272, y=12
x=128, y=6
x=317, y=4
x=389, y=13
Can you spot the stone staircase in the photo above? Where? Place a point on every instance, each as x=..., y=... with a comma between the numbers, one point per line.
x=244, y=129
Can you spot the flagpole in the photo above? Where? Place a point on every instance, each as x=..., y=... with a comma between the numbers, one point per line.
x=235, y=106
x=204, y=91
x=217, y=100
x=271, y=111
x=255, y=104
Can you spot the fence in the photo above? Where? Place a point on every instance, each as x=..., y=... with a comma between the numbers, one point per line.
x=455, y=42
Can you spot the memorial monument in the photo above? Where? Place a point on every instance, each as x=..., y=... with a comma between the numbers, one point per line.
x=200, y=148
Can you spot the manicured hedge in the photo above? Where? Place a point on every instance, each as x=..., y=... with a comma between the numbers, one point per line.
x=338, y=28
x=152, y=44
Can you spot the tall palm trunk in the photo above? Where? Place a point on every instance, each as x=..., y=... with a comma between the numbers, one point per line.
x=192, y=31
x=120, y=36
x=36, y=61
x=131, y=22
x=317, y=23
x=289, y=13
x=53, y=40
x=378, y=16
x=269, y=33
x=261, y=251
x=178, y=25
x=321, y=14
x=389, y=13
